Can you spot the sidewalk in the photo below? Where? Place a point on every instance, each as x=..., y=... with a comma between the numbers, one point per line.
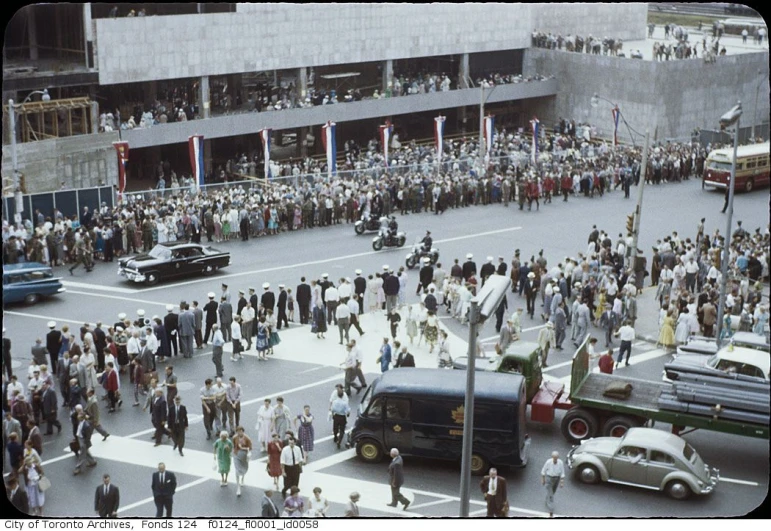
x=647, y=324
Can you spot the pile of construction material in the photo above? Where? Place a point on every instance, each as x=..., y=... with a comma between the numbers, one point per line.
x=731, y=397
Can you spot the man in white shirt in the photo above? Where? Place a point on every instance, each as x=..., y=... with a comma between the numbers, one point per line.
x=291, y=465
x=12, y=388
x=626, y=334
x=353, y=307
x=691, y=269
x=247, y=322
x=359, y=358
x=552, y=476
x=344, y=290
x=332, y=298
x=343, y=319
x=218, y=342
x=235, y=336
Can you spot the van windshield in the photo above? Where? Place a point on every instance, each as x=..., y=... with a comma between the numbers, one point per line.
x=365, y=401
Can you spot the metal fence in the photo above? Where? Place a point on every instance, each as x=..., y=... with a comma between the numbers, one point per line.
x=68, y=202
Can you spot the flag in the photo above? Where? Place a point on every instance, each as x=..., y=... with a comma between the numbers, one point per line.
x=616, y=115
x=439, y=136
x=122, y=148
x=330, y=147
x=195, y=143
x=536, y=125
x=489, y=132
x=385, y=138
x=265, y=136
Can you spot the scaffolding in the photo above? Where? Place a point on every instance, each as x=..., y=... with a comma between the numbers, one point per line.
x=42, y=120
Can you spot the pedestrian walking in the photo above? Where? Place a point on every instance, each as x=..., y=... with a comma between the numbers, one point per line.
x=493, y=489
x=269, y=509
x=385, y=356
x=339, y=411
x=305, y=432
x=396, y=480
x=164, y=485
x=107, y=499
x=294, y=506
x=552, y=476
x=223, y=451
x=318, y=505
x=33, y=474
x=352, y=507
x=218, y=342
x=178, y=424
x=83, y=437
x=627, y=334
x=158, y=414
x=291, y=466
x=274, y=458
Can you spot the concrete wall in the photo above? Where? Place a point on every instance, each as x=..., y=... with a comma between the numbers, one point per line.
x=673, y=97
x=277, y=36
x=250, y=123
x=81, y=161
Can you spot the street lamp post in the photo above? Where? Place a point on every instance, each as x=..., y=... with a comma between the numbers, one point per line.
x=731, y=118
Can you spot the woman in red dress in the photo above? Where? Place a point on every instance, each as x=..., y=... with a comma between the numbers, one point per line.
x=274, y=456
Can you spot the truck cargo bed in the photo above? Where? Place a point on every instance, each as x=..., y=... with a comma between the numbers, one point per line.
x=644, y=397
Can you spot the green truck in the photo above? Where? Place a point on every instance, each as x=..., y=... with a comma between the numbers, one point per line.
x=588, y=411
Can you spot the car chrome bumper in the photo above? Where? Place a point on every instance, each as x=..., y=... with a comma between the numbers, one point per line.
x=61, y=290
x=714, y=478
x=570, y=459
x=136, y=276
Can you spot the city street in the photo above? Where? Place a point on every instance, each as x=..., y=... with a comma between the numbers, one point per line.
x=304, y=369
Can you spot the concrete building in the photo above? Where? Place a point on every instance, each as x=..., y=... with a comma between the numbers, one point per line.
x=226, y=65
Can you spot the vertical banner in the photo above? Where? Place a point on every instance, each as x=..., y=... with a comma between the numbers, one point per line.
x=439, y=137
x=385, y=138
x=265, y=136
x=330, y=147
x=195, y=143
x=489, y=132
x=616, y=114
x=536, y=125
x=122, y=149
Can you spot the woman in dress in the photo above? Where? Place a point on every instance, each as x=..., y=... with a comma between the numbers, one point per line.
x=242, y=451
x=303, y=423
x=667, y=334
x=298, y=217
x=64, y=341
x=380, y=293
x=273, y=220
x=319, y=320
x=32, y=473
x=223, y=449
x=264, y=424
x=233, y=219
x=274, y=459
x=682, y=331
x=281, y=417
x=99, y=242
x=372, y=288
x=294, y=505
x=273, y=337
x=217, y=226
x=411, y=325
x=225, y=226
x=318, y=505
x=432, y=330
x=262, y=338
x=163, y=235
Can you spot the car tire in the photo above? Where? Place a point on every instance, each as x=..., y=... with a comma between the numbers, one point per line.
x=618, y=426
x=579, y=424
x=151, y=278
x=479, y=465
x=31, y=298
x=588, y=474
x=369, y=450
x=209, y=270
x=678, y=490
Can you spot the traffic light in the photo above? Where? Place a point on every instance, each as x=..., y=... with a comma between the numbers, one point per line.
x=630, y=224
x=8, y=187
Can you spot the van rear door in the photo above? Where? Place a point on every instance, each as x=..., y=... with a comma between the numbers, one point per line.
x=397, y=427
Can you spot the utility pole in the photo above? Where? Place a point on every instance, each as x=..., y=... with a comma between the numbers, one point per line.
x=468, y=411
x=638, y=208
x=481, y=127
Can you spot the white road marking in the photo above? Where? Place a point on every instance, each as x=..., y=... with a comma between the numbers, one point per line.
x=317, y=262
x=142, y=301
x=148, y=500
x=429, y=504
x=46, y=318
x=631, y=358
x=83, y=285
x=312, y=369
x=739, y=481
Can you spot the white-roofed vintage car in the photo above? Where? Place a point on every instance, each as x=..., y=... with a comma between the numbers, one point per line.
x=172, y=259
x=647, y=458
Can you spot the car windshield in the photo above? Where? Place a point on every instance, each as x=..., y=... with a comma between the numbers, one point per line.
x=160, y=252
x=210, y=250
x=712, y=361
x=365, y=401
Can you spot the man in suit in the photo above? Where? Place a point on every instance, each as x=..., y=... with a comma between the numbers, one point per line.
x=225, y=314
x=608, y=323
x=50, y=408
x=177, y=420
x=186, y=330
x=106, y=499
x=487, y=270
x=494, y=490
x=171, y=325
x=531, y=292
x=198, y=322
x=469, y=267
x=281, y=307
x=100, y=342
x=359, y=288
x=158, y=414
x=7, y=355
x=405, y=359
x=53, y=342
x=304, y=300
x=396, y=480
x=164, y=485
x=268, y=299
x=83, y=434
x=269, y=509
x=39, y=352
x=425, y=277
x=211, y=315
x=17, y=496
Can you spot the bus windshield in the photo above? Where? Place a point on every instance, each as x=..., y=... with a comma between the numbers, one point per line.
x=715, y=165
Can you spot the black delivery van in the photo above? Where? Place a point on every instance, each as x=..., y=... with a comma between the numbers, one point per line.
x=420, y=412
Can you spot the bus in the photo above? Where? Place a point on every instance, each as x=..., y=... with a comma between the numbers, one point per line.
x=752, y=167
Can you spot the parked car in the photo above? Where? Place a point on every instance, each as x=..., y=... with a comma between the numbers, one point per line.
x=708, y=346
x=647, y=458
x=172, y=259
x=28, y=282
x=743, y=361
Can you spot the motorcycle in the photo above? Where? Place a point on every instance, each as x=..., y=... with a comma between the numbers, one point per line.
x=418, y=254
x=385, y=240
x=363, y=225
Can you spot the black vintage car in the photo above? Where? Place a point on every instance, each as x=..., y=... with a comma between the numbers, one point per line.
x=172, y=259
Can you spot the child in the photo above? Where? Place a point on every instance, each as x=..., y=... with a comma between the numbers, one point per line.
x=290, y=304
x=394, y=319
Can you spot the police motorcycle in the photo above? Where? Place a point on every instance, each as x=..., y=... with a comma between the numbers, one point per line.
x=368, y=224
x=419, y=252
x=389, y=235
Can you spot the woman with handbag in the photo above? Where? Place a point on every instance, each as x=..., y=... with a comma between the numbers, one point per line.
x=37, y=484
x=242, y=452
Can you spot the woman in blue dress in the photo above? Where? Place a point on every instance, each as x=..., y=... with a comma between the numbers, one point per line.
x=99, y=246
x=273, y=221
x=305, y=432
x=262, y=338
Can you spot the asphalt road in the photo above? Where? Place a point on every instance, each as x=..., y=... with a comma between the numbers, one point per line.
x=305, y=369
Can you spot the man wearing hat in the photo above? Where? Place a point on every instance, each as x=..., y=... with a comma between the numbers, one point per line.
x=469, y=267
x=359, y=288
x=171, y=326
x=268, y=299
x=531, y=292
x=546, y=341
x=487, y=270
x=303, y=300
x=53, y=342
x=324, y=283
x=225, y=314
x=210, y=309
x=426, y=276
x=281, y=304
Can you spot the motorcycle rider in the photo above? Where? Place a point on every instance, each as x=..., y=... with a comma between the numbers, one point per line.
x=427, y=243
x=393, y=227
